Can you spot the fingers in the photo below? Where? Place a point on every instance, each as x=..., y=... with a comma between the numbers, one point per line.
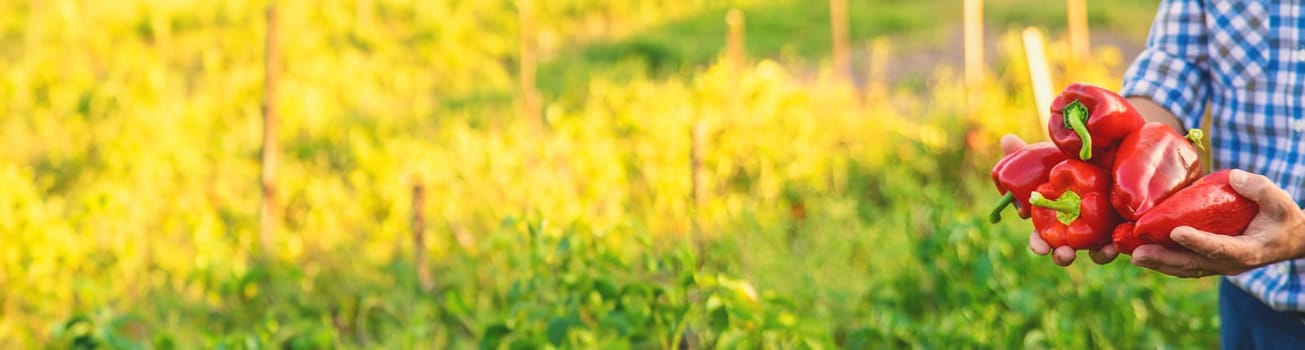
x=1063, y=256
x=1037, y=245
x=1173, y=262
x=1216, y=247
x=1104, y=255
x=1206, y=254
x=1273, y=200
x=1011, y=143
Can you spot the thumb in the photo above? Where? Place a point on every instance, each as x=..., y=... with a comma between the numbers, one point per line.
x=1211, y=245
x=1011, y=143
x=1261, y=190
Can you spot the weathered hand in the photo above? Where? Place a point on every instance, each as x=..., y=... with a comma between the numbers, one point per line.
x=1276, y=234
x=1063, y=256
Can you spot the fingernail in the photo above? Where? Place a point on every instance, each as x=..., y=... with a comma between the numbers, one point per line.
x=1237, y=177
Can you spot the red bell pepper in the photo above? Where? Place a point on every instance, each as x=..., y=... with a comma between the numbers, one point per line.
x=1088, y=120
x=1073, y=207
x=1125, y=239
x=1150, y=165
x=1210, y=204
x=1017, y=174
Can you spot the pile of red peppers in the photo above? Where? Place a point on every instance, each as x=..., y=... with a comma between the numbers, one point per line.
x=1110, y=177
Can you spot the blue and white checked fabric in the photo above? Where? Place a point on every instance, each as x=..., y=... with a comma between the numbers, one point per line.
x=1246, y=59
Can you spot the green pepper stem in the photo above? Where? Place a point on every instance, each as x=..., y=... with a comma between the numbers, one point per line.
x=1068, y=205
x=994, y=216
x=1195, y=135
x=1076, y=115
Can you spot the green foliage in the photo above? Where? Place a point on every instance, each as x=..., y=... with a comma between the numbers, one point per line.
x=576, y=291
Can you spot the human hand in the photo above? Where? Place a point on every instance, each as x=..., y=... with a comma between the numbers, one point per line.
x=1276, y=234
x=1063, y=256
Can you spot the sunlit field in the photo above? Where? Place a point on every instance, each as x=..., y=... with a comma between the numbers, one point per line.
x=656, y=194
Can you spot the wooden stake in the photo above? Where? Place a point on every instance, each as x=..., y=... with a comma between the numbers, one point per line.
x=737, y=60
x=530, y=99
x=974, y=73
x=838, y=27
x=699, y=178
x=268, y=223
x=734, y=41
x=877, y=67
x=699, y=182
x=419, y=234
x=973, y=42
x=1076, y=18
x=1039, y=75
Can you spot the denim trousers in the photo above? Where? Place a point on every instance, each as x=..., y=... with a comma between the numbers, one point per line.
x=1245, y=322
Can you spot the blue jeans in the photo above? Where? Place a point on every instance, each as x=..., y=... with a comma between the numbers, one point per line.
x=1247, y=323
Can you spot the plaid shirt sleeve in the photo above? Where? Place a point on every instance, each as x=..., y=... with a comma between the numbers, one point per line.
x=1173, y=70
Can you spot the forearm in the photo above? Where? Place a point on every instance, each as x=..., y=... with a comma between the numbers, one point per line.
x=1153, y=112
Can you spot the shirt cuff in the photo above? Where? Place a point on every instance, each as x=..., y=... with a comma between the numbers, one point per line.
x=1173, y=83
